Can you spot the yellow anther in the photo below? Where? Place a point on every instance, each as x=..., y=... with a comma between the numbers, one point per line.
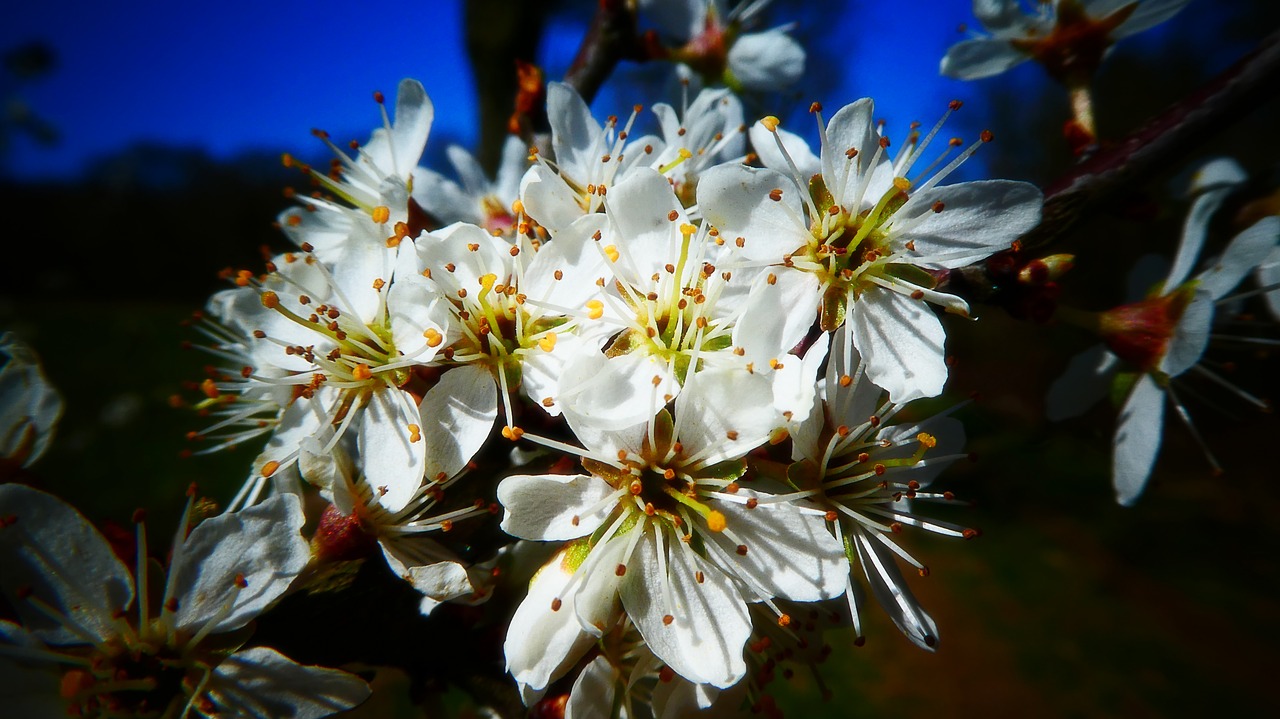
x=595, y=309
x=611, y=251
x=687, y=229
x=381, y=214
x=361, y=372
x=434, y=338
x=486, y=281
x=716, y=521
x=902, y=183
x=770, y=123
x=270, y=300
x=684, y=153
x=415, y=433
x=270, y=468
x=548, y=342
x=928, y=440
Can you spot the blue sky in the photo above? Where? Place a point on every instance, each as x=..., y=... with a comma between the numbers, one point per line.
x=243, y=76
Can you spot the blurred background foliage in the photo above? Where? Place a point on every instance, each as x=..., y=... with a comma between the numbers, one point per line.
x=1068, y=605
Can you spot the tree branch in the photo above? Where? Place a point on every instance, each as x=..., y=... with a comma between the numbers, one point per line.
x=611, y=38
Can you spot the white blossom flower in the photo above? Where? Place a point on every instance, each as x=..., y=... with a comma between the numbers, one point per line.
x=868, y=474
x=1164, y=336
x=92, y=643
x=356, y=232
x=516, y=314
x=672, y=312
x=861, y=240
x=708, y=132
x=478, y=200
x=30, y=406
x=342, y=369
x=589, y=160
x=1069, y=37
x=663, y=525
x=714, y=43
x=355, y=518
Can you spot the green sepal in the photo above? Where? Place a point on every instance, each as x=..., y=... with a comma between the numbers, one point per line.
x=834, y=304
x=730, y=469
x=911, y=274
x=625, y=343
x=821, y=195
x=1121, y=385
x=615, y=476
x=803, y=475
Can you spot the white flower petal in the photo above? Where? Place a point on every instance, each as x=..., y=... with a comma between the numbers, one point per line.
x=457, y=417
x=853, y=127
x=978, y=218
x=575, y=257
x=765, y=333
x=640, y=207
x=574, y=132
x=53, y=550
x=30, y=406
x=391, y=460
x=1148, y=14
x=725, y=413
x=789, y=554
x=548, y=199
x=593, y=691
x=442, y=198
x=544, y=507
x=262, y=682
x=735, y=199
x=901, y=343
x=543, y=643
x=1193, y=234
x=766, y=61
x=1086, y=380
x=880, y=565
x=709, y=625
x=979, y=58
x=1268, y=276
x=1190, y=336
x=765, y=144
x=261, y=544
x=1246, y=251
x=1138, y=431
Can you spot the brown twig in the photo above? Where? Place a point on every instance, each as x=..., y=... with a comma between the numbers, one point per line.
x=611, y=39
x=1163, y=141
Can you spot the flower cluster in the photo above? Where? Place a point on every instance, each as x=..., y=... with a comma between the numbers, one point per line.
x=623, y=312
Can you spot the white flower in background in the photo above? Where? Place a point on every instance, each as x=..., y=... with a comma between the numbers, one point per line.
x=478, y=200
x=30, y=406
x=339, y=369
x=672, y=312
x=664, y=525
x=589, y=160
x=706, y=133
x=713, y=43
x=1268, y=275
x=862, y=239
x=92, y=644
x=1164, y=336
x=356, y=232
x=869, y=474
x=1069, y=37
